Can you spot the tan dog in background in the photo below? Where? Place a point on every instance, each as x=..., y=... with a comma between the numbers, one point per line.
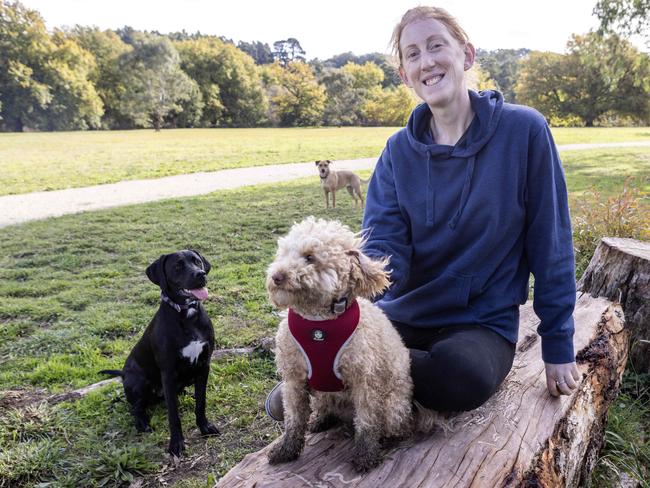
x=331, y=180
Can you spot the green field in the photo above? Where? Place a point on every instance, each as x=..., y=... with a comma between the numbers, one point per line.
x=74, y=298
x=56, y=160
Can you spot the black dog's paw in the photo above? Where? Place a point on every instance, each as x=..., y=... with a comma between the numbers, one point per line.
x=323, y=423
x=176, y=447
x=366, y=456
x=142, y=426
x=284, y=451
x=209, y=429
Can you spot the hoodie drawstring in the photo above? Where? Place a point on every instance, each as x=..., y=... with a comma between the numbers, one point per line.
x=430, y=192
x=464, y=196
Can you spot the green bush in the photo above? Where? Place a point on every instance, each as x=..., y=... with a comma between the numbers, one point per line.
x=622, y=215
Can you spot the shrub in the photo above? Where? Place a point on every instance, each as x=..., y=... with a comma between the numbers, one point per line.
x=622, y=215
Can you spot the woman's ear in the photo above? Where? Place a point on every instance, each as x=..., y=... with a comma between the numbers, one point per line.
x=369, y=276
x=404, y=78
x=470, y=55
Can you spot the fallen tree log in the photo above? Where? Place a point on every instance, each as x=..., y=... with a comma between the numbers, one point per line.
x=520, y=437
x=620, y=271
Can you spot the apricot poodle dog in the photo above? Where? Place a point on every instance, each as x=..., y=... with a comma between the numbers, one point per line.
x=338, y=354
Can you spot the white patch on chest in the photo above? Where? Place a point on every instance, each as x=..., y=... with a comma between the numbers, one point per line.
x=193, y=350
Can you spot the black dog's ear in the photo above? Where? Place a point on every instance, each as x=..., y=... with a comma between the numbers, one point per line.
x=156, y=272
x=206, y=264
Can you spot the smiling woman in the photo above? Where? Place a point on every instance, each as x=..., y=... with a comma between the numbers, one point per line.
x=467, y=200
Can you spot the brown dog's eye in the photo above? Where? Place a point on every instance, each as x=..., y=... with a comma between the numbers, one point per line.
x=310, y=258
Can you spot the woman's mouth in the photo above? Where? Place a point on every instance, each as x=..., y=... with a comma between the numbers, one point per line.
x=434, y=80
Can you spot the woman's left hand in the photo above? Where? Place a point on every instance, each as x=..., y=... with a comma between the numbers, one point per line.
x=562, y=379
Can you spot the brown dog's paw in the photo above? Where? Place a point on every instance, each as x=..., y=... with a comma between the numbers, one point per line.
x=285, y=451
x=366, y=456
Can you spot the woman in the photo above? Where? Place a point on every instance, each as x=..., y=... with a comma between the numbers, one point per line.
x=467, y=200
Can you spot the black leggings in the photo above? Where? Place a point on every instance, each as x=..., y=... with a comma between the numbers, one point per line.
x=456, y=368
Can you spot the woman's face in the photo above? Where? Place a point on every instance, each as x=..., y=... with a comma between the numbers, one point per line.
x=434, y=62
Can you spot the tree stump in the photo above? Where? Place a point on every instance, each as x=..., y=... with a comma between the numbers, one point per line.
x=520, y=437
x=620, y=271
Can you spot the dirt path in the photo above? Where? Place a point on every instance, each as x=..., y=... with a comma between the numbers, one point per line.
x=15, y=209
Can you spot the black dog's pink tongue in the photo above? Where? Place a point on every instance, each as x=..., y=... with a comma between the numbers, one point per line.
x=200, y=293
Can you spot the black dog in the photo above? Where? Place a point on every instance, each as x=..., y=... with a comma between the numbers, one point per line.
x=176, y=347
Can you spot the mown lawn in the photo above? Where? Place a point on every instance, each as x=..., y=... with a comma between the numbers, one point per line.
x=52, y=161
x=74, y=298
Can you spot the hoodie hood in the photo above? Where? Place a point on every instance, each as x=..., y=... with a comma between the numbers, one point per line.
x=487, y=106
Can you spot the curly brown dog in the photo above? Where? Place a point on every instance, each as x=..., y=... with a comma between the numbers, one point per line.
x=321, y=274
x=331, y=180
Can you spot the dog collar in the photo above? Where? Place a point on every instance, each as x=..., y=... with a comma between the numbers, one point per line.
x=321, y=343
x=179, y=308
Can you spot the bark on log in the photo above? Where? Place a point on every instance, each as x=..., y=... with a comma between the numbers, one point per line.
x=620, y=271
x=521, y=437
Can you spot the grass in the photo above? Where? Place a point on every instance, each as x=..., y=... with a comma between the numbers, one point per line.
x=74, y=298
x=52, y=161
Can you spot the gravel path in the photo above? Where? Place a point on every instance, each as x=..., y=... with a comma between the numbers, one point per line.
x=15, y=209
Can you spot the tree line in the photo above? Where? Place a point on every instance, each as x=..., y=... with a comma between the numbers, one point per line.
x=88, y=78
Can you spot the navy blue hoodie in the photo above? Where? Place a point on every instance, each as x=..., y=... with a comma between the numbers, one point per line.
x=465, y=225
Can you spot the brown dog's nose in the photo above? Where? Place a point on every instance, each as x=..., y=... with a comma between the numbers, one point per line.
x=278, y=277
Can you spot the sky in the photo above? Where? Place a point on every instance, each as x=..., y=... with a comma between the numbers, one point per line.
x=328, y=27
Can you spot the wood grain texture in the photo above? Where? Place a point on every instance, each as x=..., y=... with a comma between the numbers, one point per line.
x=520, y=437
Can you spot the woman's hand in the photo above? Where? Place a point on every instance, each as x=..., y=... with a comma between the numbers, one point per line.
x=562, y=379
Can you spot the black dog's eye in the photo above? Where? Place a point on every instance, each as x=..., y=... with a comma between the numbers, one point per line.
x=310, y=258
x=197, y=261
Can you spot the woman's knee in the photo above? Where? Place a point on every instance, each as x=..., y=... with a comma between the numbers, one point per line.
x=451, y=383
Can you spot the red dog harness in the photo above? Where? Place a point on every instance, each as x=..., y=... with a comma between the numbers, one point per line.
x=321, y=342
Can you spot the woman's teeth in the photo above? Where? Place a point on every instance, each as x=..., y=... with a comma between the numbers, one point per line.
x=433, y=81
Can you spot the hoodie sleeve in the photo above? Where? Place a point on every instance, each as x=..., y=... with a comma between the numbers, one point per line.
x=386, y=230
x=549, y=248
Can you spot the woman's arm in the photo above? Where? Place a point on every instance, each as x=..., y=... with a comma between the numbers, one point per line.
x=386, y=230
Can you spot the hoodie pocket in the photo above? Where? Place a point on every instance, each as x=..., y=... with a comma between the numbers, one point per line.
x=447, y=291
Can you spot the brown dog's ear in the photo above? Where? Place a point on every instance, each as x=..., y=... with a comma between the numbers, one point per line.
x=369, y=275
x=206, y=264
x=156, y=272
x=317, y=163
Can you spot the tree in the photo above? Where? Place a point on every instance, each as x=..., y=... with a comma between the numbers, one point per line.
x=541, y=83
x=288, y=51
x=343, y=101
x=626, y=17
x=260, y=52
x=155, y=84
x=44, y=79
x=229, y=82
x=296, y=98
x=106, y=47
x=597, y=75
x=366, y=76
x=502, y=66
x=388, y=106
x=75, y=102
x=391, y=77
x=606, y=74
